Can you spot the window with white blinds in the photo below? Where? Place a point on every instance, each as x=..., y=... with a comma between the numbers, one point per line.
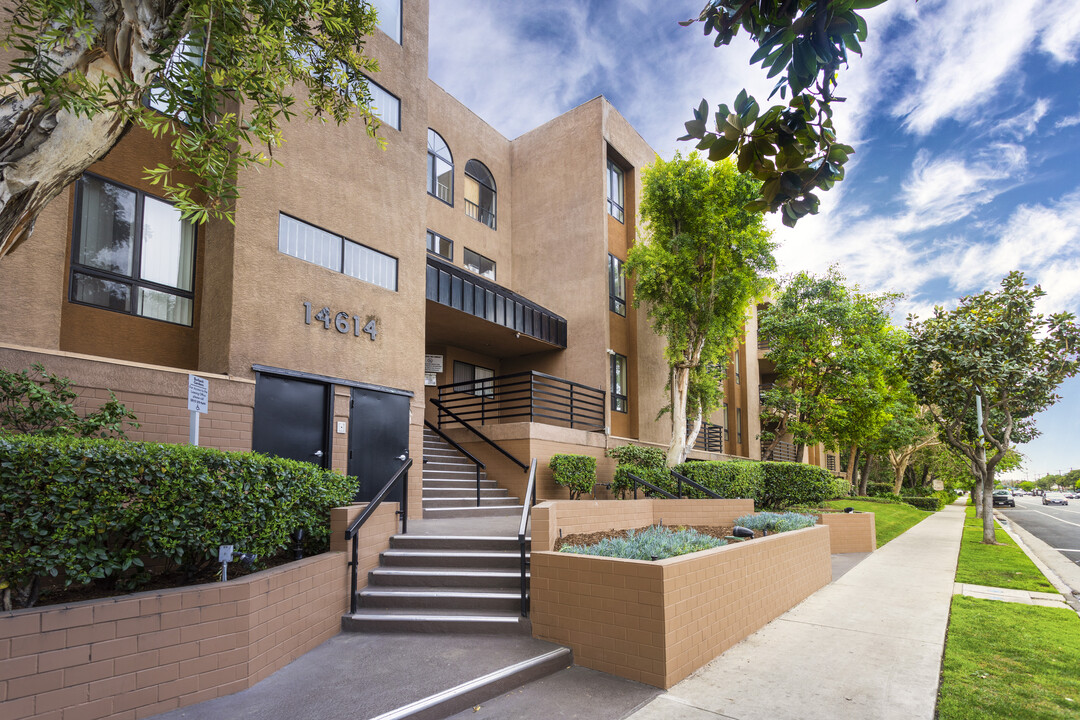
x=315, y=245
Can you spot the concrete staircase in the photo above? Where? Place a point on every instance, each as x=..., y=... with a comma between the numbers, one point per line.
x=450, y=485
x=459, y=574
x=436, y=583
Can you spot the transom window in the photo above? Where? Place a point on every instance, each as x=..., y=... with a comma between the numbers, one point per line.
x=479, y=193
x=466, y=372
x=440, y=245
x=384, y=105
x=477, y=263
x=131, y=253
x=440, y=168
x=616, y=286
x=315, y=245
x=615, y=190
x=618, y=383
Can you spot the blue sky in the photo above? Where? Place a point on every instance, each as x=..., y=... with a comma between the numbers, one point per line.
x=965, y=116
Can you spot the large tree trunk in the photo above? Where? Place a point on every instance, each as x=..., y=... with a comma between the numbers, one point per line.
x=870, y=457
x=680, y=384
x=44, y=148
x=898, y=474
x=850, y=474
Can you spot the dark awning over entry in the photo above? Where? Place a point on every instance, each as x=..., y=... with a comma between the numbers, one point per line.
x=456, y=288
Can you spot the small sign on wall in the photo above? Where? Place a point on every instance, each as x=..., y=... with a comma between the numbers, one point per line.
x=430, y=379
x=433, y=364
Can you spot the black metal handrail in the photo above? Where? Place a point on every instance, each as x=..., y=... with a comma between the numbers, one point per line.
x=680, y=479
x=443, y=409
x=526, y=512
x=638, y=481
x=526, y=396
x=352, y=532
x=479, y=465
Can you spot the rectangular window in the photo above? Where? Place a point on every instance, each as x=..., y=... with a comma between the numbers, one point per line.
x=615, y=190
x=131, y=253
x=440, y=245
x=477, y=263
x=616, y=286
x=618, y=383
x=189, y=49
x=467, y=373
x=384, y=105
x=389, y=12
x=737, y=367
x=336, y=253
x=738, y=425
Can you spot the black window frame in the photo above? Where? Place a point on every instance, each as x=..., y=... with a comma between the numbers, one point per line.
x=465, y=263
x=472, y=174
x=432, y=179
x=614, y=168
x=430, y=234
x=136, y=261
x=616, y=303
x=383, y=122
x=620, y=402
x=344, y=244
x=738, y=425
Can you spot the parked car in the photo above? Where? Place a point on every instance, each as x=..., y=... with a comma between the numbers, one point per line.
x=1054, y=498
x=1004, y=498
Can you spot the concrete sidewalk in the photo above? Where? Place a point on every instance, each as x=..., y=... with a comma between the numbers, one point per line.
x=869, y=645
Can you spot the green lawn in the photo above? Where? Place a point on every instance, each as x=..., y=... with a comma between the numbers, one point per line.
x=1004, y=566
x=890, y=519
x=1010, y=662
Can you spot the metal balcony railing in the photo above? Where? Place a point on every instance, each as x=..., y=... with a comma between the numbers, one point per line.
x=523, y=397
x=710, y=438
x=783, y=452
x=478, y=213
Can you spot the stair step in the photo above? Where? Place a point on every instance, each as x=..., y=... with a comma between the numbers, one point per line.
x=428, y=598
x=482, y=511
x=441, y=577
x=452, y=542
x=452, y=502
x=471, y=559
x=458, y=483
x=465, y=492
x=451, y=473
x=374, y=620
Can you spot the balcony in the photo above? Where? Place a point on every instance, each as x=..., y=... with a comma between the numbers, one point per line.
x=710, y=438
x=506, y=324
x=523, y=397
x=480, y=214
x=783, y=452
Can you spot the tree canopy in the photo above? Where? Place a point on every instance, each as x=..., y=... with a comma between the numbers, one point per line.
x=220, y=76
x=993, y=349
x=833, y=350
x=792, y=148
x=703, y=260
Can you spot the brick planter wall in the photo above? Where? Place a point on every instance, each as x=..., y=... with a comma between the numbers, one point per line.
x=657, y=622
x=851, y=532
x=129, y=657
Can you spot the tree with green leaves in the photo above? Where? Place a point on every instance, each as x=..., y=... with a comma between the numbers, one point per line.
x=910, y=428
x=221, y=76
x=985, y=369
x=833, y=351
x=704, y=258
x=792, y=148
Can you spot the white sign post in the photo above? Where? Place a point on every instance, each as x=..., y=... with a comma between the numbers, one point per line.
x=198, y=400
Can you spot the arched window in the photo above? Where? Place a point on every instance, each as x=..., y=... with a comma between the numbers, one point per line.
x=479, y=193
x=440, y=168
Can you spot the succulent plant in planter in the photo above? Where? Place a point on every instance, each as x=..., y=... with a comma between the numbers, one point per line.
x=577, y=473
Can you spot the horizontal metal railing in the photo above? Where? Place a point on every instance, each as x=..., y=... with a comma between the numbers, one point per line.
x=711, y=438
x=783, y=452
x=524, y=397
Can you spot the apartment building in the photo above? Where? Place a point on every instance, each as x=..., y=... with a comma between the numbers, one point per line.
x=360, y=289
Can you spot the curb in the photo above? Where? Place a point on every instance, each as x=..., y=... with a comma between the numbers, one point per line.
x=1042, y=554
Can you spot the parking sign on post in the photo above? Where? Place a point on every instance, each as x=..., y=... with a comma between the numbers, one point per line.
x=198, y=400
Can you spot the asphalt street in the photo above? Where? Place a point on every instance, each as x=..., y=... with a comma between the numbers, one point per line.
x=1056, y=525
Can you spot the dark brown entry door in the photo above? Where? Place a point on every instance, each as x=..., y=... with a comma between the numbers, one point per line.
x=378, y=440
x=292, y=419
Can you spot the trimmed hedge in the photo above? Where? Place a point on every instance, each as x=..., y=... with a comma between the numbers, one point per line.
x=932, y=503
x=726, y=478
x=876, y=489
x=577, y=473
x=97, y=508
x=623, y=486
x=648, y=463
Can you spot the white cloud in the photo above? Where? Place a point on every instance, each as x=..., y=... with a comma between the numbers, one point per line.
x=1068, y=121
x=943, y=190
x=964, y=51
x=1022, y=125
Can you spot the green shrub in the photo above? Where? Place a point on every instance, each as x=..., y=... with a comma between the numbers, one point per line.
x=931, y=503
x=652, y=543
x=91, y=509
x=623, y=486
x=577, y=473
x=776, y=522
x=41, y=403
x=649, y=457
x=878, y=489
x=726, y=478
x=787, y=483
